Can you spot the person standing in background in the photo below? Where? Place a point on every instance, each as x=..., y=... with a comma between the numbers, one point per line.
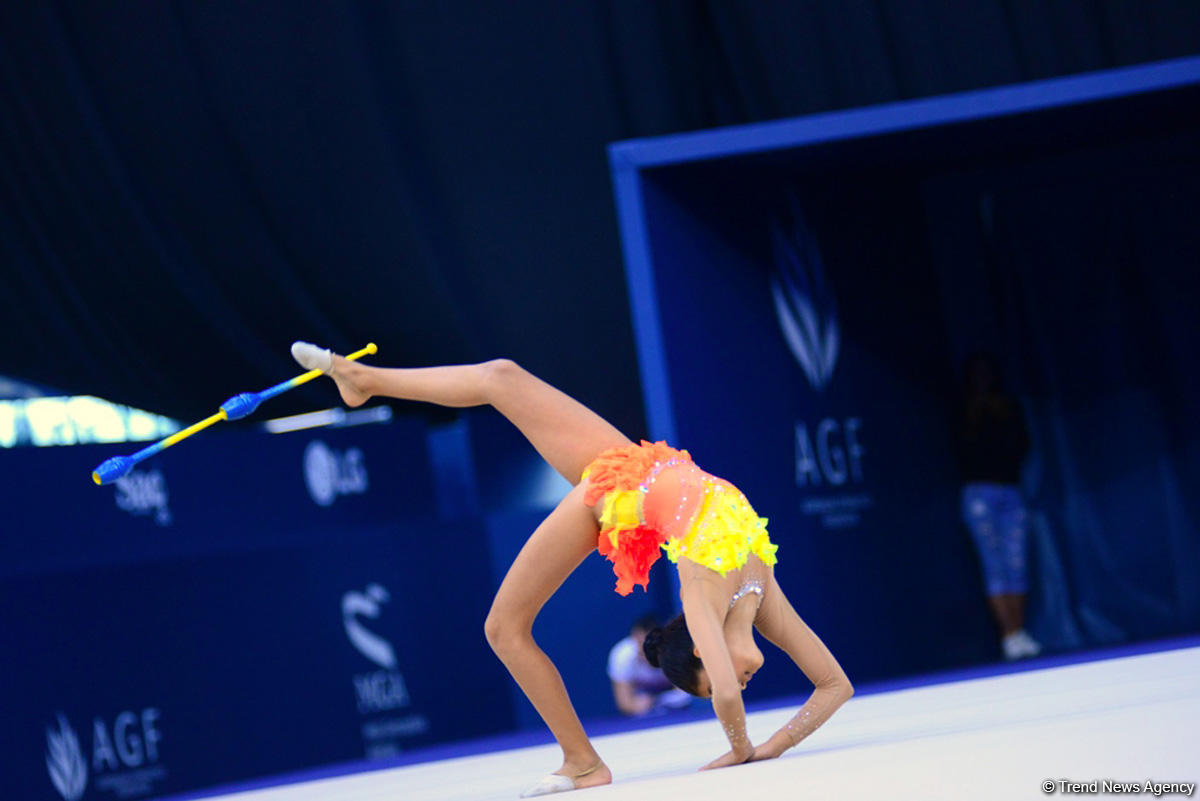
x=993, y=443
x=639, y=688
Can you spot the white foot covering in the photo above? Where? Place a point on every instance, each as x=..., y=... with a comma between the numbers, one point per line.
x=1029, y=646
x=1011, y=644
x=1019, y=645
x=554, y=783
x=311, y=357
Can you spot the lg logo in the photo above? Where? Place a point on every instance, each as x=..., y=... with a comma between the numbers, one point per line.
x=329, y=473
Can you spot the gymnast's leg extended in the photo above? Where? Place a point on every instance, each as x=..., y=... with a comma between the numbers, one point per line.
x=566, y=433
x=569, y=436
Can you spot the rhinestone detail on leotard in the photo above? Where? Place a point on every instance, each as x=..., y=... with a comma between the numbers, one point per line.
x=752, y=586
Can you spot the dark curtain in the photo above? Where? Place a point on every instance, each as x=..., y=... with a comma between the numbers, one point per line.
x=1106, y=327
x=185, y=187
x=1082, y=273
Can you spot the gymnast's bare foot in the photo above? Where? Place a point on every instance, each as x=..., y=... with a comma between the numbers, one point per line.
x=346, y=374
x=601, y=775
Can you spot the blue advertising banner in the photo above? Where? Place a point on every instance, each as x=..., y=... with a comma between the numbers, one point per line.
x=267, y=605
x=225, y=490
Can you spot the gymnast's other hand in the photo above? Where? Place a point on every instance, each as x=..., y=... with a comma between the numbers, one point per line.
x=732, y=757
x=771, y=749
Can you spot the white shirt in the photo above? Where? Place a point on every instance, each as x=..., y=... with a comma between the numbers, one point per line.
x=626, y=663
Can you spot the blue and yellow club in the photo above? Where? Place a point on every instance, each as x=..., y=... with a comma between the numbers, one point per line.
x=235, y=408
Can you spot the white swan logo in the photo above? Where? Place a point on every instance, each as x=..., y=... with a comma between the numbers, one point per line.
x=384, y=689
x=64, y=760
x=368, y=604
x=803, y=302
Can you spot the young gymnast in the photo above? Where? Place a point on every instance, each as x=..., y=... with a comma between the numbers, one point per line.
x=629, y=501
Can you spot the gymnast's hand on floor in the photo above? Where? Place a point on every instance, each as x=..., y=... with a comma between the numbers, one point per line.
x=771, y=749
x=731, y=758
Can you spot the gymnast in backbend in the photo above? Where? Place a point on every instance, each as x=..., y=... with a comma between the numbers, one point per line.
x=628, y=500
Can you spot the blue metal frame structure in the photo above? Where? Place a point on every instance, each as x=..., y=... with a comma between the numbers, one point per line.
x=629, y=159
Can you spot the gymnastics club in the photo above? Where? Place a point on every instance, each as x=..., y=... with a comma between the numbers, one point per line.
x=235, y=408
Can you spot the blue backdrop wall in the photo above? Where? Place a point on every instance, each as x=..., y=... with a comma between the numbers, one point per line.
x=805, y=291
x=246, y=604
x=849, y=459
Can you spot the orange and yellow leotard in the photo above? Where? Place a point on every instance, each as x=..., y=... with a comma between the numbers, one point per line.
x=655, y=497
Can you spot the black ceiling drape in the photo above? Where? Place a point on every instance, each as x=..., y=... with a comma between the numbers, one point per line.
x=187, y=187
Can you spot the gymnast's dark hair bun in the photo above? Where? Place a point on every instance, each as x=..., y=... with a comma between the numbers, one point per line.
x=670, y=648
x=653, y=644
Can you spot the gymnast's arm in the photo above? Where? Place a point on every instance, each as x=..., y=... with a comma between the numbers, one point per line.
x=701, y=600
x=779, y=623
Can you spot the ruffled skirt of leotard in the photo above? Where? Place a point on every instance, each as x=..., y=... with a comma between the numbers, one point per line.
x=655, y=498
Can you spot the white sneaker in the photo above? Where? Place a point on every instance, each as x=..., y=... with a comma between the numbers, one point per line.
x=1019, y=645
x=1012, y=647
x=311, y=357
x=1032, y=647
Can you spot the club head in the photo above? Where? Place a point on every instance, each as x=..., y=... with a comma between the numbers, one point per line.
x=241, y=405
x=112, y=469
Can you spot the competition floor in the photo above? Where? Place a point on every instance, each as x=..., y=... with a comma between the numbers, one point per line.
x=1131, y=719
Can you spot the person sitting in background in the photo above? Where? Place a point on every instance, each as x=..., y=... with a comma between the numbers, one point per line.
x=993, y=443
x=639, y=688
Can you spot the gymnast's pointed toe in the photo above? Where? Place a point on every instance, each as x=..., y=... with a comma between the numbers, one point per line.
x=554, y=783
x=310, y=357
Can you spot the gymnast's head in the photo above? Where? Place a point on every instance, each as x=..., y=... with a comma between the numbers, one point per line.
x=670, y=648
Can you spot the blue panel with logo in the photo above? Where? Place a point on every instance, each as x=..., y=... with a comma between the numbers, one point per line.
x=174, y=676
x=179, y=631
x=804, y=290
x=808, y=365
x=225, y=490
